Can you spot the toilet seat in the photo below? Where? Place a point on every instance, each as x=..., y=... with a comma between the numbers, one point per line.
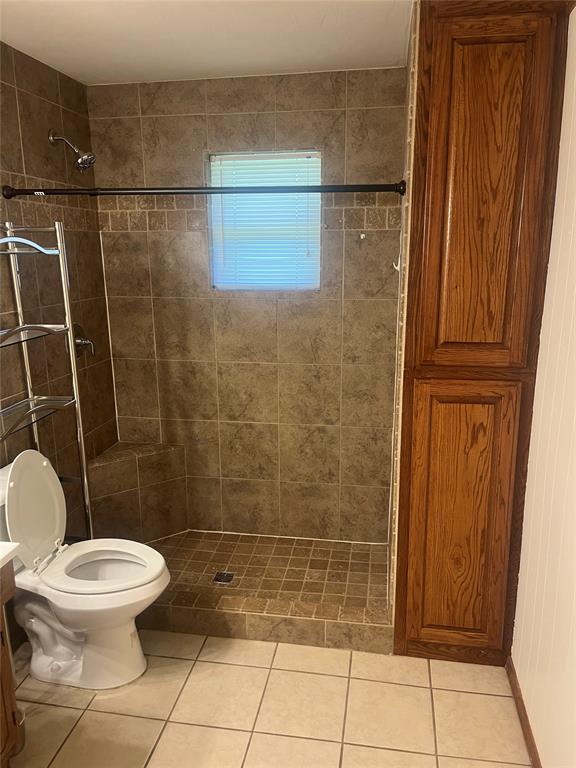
x=35, y=510
x=35, y=507
x=102, y=566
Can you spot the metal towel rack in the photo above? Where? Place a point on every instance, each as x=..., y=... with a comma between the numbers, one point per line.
x=29, y=411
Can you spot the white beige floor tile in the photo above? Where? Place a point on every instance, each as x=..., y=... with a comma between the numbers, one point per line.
x=254, y=653
x=192, y=745
x=459, y=762
x=306, y=658
x=48, y=693
x=152, y=695
x=301, y=704
x=478, y=726
x=113, y=741
x=221, y=694
x=289, y=752
x=46, y=729
x=390, y=669
x=391, y=716
x=476, y=678
x=370, y=757
x=176, y=645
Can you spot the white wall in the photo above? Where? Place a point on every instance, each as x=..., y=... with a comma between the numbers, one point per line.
x=544, y=649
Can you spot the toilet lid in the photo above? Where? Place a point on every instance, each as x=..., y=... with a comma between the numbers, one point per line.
x=35, y=506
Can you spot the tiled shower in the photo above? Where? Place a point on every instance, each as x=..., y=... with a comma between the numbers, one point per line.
x=248, y=433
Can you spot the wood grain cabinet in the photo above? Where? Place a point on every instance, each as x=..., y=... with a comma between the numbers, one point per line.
x=488, y=108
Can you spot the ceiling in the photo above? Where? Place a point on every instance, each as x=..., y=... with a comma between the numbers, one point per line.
x=119, y=41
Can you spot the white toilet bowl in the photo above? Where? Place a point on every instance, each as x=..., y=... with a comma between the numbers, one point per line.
x=77, y=603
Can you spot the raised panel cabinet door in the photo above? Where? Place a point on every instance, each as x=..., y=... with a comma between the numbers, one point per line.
x=489, y=112
x=462, y=479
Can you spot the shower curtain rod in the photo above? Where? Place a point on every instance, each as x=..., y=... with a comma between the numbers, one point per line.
x=10, y=192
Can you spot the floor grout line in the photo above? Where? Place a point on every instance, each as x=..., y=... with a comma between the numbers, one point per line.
x=260, y=705
x=167, y=720
x=345, y=709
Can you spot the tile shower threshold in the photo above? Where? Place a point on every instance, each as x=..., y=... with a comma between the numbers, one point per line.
x=310, y=591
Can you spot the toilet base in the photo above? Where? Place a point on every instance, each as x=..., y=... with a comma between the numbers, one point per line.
x=98, y=658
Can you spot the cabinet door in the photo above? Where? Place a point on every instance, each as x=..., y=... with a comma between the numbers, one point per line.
x=462, y=472
x=488, y=128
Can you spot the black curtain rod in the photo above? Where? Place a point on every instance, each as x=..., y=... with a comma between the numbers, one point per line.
x=399, y=188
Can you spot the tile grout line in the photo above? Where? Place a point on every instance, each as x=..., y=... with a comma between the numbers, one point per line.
x=344, y=721
x=259, y=705
x=433, y=712
x=167, y=720
x=218, y=422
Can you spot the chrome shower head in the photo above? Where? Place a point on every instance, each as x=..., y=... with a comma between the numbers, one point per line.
x=84, y=160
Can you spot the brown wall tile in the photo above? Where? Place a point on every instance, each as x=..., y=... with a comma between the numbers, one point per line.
x=35, y=77
x=241, y=132
x=246, y=330
x=309, y=394
x=364, y=513
x=113, y=477
x=73, y=95
x=316, y=130
x=369, y=334
x=126, y=263
x=201, y=443
x=366, y=456
x=10, y=147
x=309, y=509
x=183, y=97
x=117, y=143
x=309, y=331
x=131, y=327
x=179, y=263
x=113, y=100
x=309, y=454
x=241, y=94
x=158, y=466
x=138, y=430
x=249, y=450
x=163, y=509
x=204, y=503
x=37, y=118
x=184, y=329
x=318, y=90
x=285, y=629
x=367, y=395
x=369, y=265
x=6, y=63
x=248, y=392
x=136, y=388
x=376, y=87
x=375, y=145
x=187, y=390
x=250, y=506
x=174, y=150
x=118, y=516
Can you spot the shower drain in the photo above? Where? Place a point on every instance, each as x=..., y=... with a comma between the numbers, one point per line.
x=223, y=577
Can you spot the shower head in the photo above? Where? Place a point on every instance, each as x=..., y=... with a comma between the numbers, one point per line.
x=84, y=160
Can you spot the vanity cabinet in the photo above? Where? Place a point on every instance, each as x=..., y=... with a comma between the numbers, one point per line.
x=9, y=719
x=488, y=106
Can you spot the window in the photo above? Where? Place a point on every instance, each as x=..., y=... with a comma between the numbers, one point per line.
x=264, y=241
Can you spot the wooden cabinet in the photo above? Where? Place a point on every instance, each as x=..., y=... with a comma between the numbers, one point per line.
x=488, y=107
x=463, y=453
x=486, y=161
x=8, y=712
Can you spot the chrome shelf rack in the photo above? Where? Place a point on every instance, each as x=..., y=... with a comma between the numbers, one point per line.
x=33, y=408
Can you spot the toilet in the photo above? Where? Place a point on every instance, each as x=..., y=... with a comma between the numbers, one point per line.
x=77, y=603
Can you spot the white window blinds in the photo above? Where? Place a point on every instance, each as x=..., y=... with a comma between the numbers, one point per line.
x=265, y=241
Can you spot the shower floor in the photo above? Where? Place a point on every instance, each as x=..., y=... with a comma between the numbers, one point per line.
x=295, y=590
